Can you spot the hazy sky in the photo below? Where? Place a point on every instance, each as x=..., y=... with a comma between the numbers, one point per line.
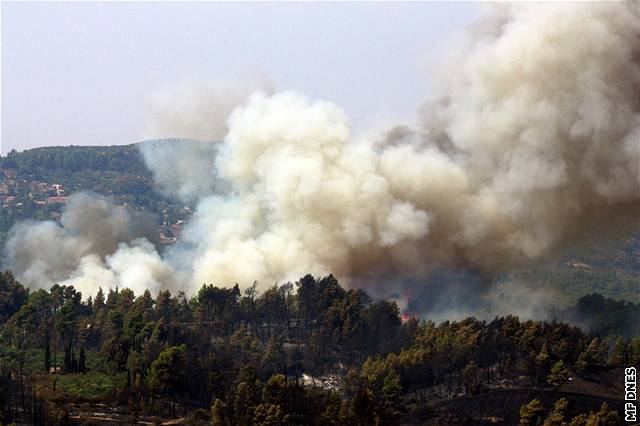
x=78, y=73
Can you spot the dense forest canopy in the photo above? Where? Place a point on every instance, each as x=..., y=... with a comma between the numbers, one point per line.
x=309, y=352
x=118, y=158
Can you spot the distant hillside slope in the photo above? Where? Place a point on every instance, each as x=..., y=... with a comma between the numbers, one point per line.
x=71, y=163
x=34, y=183
x=610, y=267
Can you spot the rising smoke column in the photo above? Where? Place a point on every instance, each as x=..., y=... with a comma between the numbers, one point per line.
x=531, y=143
x=305, y=197
x=197, y=111
x=543, y=115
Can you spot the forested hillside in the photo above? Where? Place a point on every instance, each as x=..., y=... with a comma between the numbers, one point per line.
x=117, y=170
x=610, y=266
x=302, y=353
x=121, y=158
x=308, y=352
x=36, y=183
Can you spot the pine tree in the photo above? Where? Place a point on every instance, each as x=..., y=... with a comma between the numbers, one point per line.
x=559, y=375
x=331, y=413
x=531, y=414
x=619, y=354
x=604, y=417
x=592, y=355
x=558, y=415
x=392, y=387
x=269, y=414
x=99, y=302
x=217, y=414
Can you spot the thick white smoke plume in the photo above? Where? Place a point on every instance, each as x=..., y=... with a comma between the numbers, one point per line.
x=532, y=142
x=535, y=139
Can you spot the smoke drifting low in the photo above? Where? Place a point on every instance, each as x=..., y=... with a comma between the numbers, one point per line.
x=532, y=143
x=94, y=244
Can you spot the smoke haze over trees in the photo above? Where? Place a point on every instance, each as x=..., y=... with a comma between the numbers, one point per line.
x=530, y=146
